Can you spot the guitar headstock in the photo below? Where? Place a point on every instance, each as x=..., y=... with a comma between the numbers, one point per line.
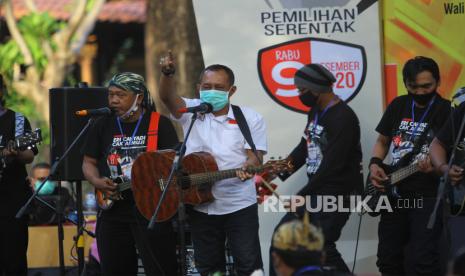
x=28, y=140
x=275, y=166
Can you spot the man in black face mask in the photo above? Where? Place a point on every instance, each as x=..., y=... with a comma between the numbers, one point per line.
x=409, y=124
x=331, y=152
x=14, y=189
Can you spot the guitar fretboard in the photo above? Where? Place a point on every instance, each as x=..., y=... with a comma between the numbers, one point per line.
x=403, y=173
x=210, y=177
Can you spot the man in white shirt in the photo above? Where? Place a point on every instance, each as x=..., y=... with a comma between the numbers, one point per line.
x=233, y=215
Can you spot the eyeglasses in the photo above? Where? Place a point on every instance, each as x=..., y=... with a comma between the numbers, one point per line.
x=424, y=86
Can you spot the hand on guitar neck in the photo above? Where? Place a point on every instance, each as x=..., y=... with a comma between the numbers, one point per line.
x=105, y=184
x=109, y=190
x=378, y=176
x=251, y=162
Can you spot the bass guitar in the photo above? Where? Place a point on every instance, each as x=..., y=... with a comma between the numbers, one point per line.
x=395, y=175
x=27, y=140
x=150, y=172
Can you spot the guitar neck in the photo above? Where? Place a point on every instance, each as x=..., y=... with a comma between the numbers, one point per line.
x=210, y=177
x=403, y=173
x=124, y=186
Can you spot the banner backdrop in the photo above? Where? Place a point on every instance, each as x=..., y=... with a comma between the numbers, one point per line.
x=265, y=42
x=428, y=28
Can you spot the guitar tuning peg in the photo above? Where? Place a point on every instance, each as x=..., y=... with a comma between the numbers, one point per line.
x=280, y=157
x=272, y=157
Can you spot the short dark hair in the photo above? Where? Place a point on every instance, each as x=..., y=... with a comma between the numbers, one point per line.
x=219, y=67
x=40, y=165
x=418, y=64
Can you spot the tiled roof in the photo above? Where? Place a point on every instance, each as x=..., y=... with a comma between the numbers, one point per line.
x=123, y=11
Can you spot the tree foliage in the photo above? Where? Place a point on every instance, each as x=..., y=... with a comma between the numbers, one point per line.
x=41, y=50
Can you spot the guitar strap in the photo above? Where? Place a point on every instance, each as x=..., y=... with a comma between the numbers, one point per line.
x=244, y=127
x=152, y=133
x=19, y=124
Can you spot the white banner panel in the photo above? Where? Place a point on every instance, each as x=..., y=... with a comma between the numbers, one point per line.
x=265, y=42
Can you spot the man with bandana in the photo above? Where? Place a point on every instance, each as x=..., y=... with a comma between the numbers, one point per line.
x=14, y=190
x=407, y=128
x=233, y=215
x=331, y=152
x=113, y=144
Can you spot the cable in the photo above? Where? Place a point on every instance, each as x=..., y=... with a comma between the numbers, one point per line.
x=74, y=248
x=356, y=243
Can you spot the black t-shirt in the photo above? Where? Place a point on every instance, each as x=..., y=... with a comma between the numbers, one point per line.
x=406, y=133
x=116, y=151
x=332, y=152
x=14, y=187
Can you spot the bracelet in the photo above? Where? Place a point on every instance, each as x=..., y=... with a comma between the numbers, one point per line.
x=375, y=160
x=168, y=72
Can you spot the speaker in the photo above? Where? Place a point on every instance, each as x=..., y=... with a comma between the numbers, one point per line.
x=65, y=126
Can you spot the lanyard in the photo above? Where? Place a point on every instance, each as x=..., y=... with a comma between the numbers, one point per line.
x=135, y=130
x=315, y=120
x=412, y=136
x=307, y=269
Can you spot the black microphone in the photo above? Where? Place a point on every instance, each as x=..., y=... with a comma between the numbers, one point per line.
x=94, y=112
x=202, y=108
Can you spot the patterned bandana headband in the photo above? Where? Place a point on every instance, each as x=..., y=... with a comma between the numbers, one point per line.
x=134, y=83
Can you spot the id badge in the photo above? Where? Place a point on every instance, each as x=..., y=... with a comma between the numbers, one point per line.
x=126, y=166
x=314, y=158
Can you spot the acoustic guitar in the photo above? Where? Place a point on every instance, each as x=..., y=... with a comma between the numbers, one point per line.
x=200, y=171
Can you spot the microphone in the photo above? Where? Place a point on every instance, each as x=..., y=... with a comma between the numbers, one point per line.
x=94, y=112
x=202, y=108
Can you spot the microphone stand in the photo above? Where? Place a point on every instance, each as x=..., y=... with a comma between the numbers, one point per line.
x=445, y=178
x=59, y=209
x=176, y=169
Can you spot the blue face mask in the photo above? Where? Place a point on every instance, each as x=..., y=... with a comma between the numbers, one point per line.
x=47, y=189
x=217, y=98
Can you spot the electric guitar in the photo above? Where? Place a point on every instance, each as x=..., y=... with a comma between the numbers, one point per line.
x=395, y=175
x=27, y=140
x=150, y=173
x=106, y=199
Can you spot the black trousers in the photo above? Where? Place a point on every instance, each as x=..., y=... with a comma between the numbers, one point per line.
x=331, y=224
x=209, y=234
x=117, y=242
x=13, y=246
x=404, y=231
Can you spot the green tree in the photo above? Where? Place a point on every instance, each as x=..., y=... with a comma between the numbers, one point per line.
x=171, y=25
x=42, y=50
